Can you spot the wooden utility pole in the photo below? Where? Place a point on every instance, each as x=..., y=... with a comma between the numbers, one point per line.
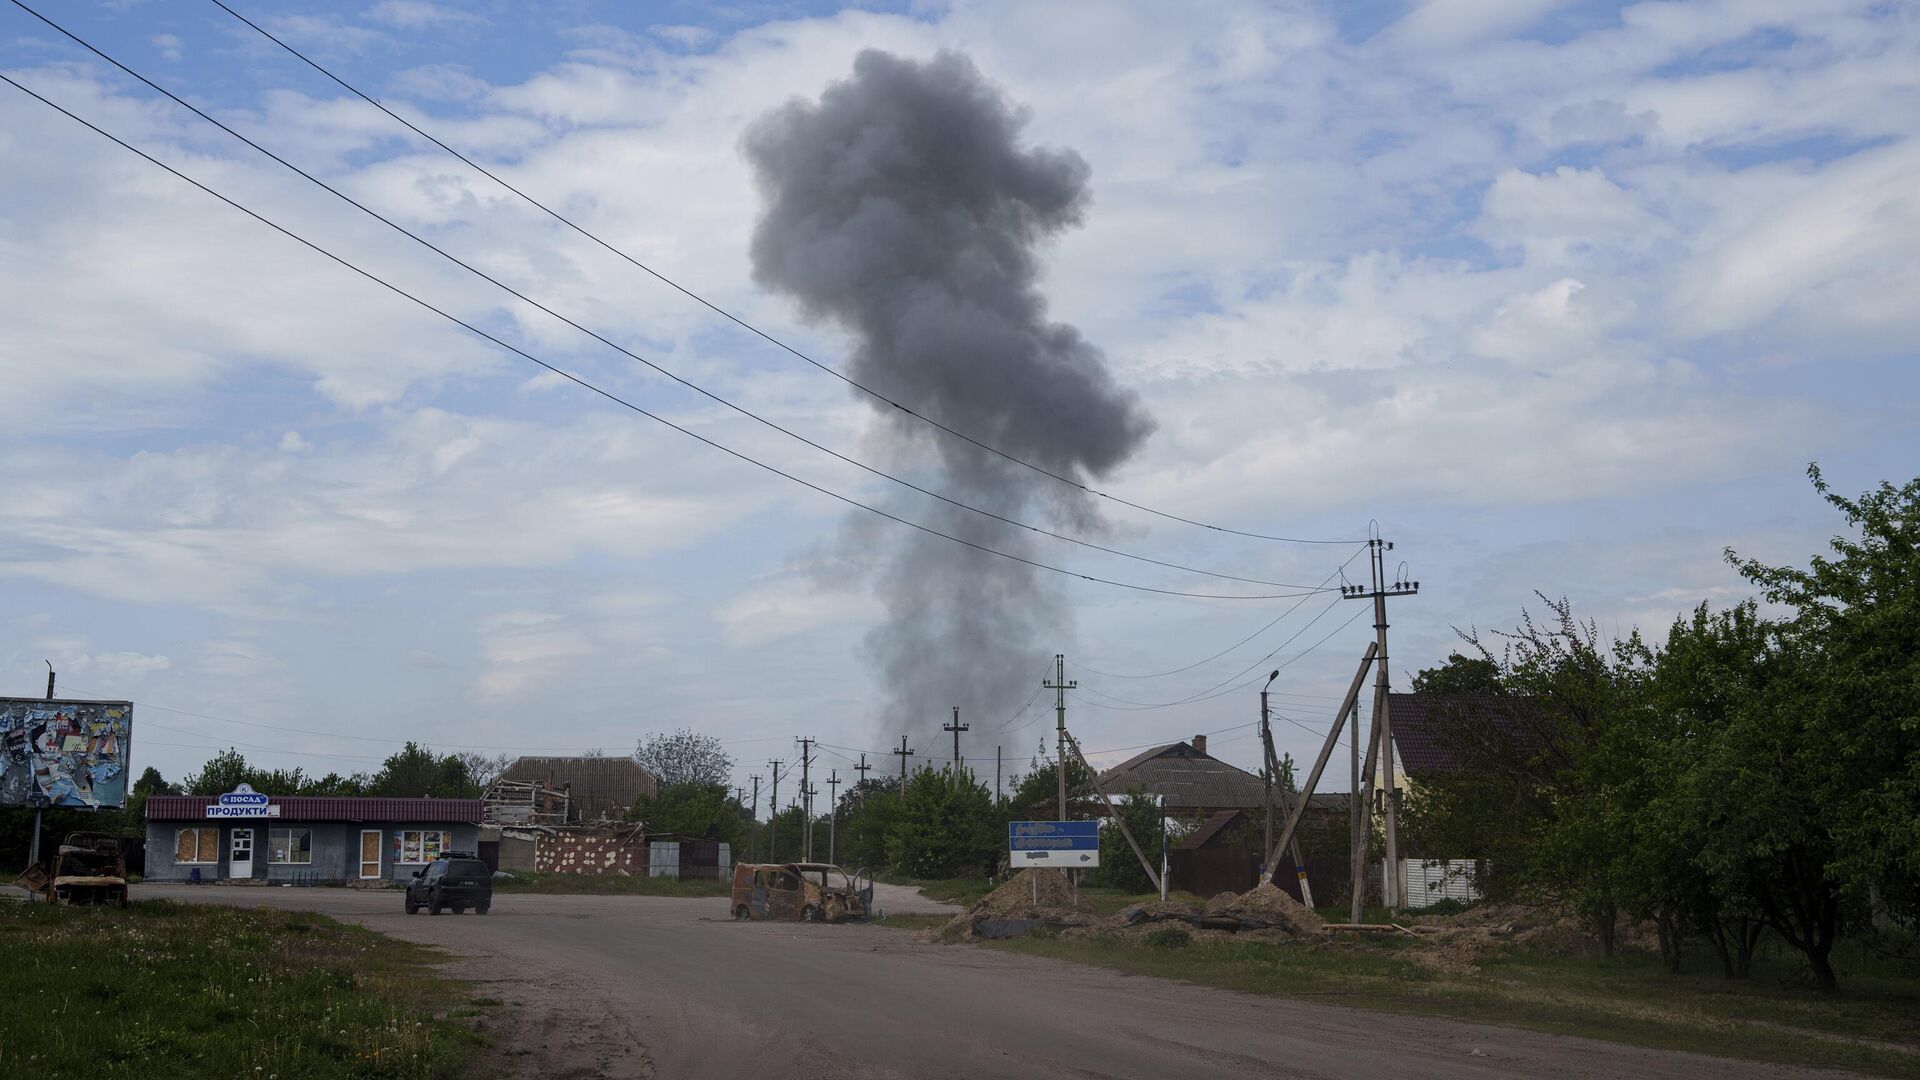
x=862, y=769
x=1291, y=842
x=1059, y=685
x=903, y=754
x=754, y=806
x=956, y=727
x=1114, y=813
x=1390, y=881
x=996, y=774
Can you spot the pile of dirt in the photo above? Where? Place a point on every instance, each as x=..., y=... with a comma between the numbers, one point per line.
x=1037, y=894
x=1269, y=903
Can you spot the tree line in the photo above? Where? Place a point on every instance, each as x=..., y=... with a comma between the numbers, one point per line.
x=1757, y=772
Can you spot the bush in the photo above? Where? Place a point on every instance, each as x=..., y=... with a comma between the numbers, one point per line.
x=1170, y=937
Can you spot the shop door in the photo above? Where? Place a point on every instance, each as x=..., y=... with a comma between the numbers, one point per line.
x=240, y=854
x=370, y=853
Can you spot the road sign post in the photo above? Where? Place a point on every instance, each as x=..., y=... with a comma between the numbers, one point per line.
x=1053, y=843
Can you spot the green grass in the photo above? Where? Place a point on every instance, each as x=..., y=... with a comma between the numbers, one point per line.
x=913, y=922
x=163, y=989
x=1776, y=1016
x=962, y=891
x=610, y=885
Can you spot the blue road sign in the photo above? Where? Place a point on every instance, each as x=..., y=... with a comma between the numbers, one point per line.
x=1054, y=843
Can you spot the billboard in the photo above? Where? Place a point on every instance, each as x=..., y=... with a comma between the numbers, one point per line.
x=64, y=753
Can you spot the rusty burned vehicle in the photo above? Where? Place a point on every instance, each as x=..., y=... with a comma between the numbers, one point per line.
x=89, y=868
x=804, y=892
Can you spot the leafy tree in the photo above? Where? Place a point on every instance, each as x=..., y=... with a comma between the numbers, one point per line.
x=1460, y=675
x=222, y=773
x=699, y=811
x=1036, y=795
x=684, y=757
x=867, y=812
x=946, y=826
x=1119, y=868
x=482, y=769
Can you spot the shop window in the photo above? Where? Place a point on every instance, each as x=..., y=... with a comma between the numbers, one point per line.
x=291, y=845
x=197, y=846
x=420, y=846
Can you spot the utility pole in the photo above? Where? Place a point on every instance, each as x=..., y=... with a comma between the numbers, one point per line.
x=862, y=770
x=773, y=814
x=1266, y=740
x=754, y=806
x=996, y=774
x=806, y=796
x=833, y=810
x=956, y=727
x=903, y=754
x=1059, y=685
x=1379, y=590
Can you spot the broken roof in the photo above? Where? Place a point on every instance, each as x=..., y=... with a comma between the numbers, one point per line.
x=1186, y=779
x=597, y=787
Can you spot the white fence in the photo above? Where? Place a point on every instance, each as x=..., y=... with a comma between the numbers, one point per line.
x=1429, y=881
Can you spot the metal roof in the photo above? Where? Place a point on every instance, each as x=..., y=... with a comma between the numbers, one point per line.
x=323, y=808
x=1186, y=779
x=1437, y=733
x=596, y=787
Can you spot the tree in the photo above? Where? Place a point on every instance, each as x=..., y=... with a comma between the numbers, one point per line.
x=698, y=811
x=1460, y=675
x=1119, y=868
x=945, y=827
x=224, y=772
x=482, y=770
x=684, y=757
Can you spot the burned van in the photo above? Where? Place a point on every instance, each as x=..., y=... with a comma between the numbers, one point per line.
x=801, y=892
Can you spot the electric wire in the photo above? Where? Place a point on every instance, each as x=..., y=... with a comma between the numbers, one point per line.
x=615, y=398
x=630, y=354
x=737, y=320
x=1216, y=690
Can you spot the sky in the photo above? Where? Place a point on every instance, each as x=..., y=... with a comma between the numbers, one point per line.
x=1561, y=298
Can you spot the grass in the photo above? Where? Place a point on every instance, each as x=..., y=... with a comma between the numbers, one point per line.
x=1775, y=1017
x=610, y=885
x=163, y=989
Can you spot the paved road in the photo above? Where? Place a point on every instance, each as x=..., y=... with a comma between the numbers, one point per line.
x=654, y=987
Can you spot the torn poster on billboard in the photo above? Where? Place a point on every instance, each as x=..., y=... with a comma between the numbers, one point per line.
x=64, y=753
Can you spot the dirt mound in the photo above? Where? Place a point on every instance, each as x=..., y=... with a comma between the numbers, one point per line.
x=1033, y=893
x=1269, y=903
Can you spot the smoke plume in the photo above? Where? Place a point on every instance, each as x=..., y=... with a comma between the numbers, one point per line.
x=903, y=207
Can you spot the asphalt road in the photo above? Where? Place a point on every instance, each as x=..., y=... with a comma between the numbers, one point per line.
x=654, y=987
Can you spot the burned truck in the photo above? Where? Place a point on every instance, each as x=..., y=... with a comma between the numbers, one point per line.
x=802, y=892
x=90, y=868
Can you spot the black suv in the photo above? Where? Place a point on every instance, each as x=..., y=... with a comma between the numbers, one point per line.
x=456, y=880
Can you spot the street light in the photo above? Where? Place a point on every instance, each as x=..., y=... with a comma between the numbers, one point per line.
x=1266, y=742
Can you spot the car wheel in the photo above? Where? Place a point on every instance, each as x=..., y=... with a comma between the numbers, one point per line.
x=433, y=906
x=481, y=910
x=741, y=914
x=412, y=908
x=810, y=913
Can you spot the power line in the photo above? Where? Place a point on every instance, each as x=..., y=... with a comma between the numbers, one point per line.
x=615, y=398
x=1217, y=689
x=1290, y=610
x=608, y=342
x=735, y=319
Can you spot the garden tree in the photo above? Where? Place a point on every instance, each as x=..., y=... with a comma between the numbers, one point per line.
x=947, y=826
x=1119, y=868
x=222, y=773
x=695, y=810
x=1691, y=871
x=867, y=812
x=1852, y=651
x=789, y=835
x=415, y=771
x=337, y=785
x=1460, y=675
x=684, y=757
x=483, y=769
x=1036, y=795
x=152, y=783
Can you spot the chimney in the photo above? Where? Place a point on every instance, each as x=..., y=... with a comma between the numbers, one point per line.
x=1200, y=744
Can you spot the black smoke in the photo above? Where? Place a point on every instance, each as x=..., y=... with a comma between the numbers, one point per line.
x=903, y=206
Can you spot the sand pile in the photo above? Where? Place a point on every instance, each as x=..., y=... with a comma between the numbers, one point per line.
x=1269, y=904
x=1056, y=902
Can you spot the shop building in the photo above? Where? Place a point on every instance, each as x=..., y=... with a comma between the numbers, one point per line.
x=246, y=835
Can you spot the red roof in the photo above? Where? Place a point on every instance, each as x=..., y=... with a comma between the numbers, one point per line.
x=325, y=808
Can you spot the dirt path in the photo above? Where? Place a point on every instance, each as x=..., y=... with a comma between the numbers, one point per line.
x=605, y=986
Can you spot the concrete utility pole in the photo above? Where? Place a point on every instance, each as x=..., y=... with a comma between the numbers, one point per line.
x=903, y=754
x=1348, y=708
x=956, y=727
x=833, y=810
x=996, y=774
x=1292, y=842
x=806, y=797
x=862, y=770
x=754, y=806
x=1266, y=740
x=1390, y=881
x=1059, y=685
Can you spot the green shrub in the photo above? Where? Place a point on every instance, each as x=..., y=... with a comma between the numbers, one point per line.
x=1170, y=937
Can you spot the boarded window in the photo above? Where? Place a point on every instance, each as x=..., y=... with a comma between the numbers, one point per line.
x=291, y=845
x=197, y=846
